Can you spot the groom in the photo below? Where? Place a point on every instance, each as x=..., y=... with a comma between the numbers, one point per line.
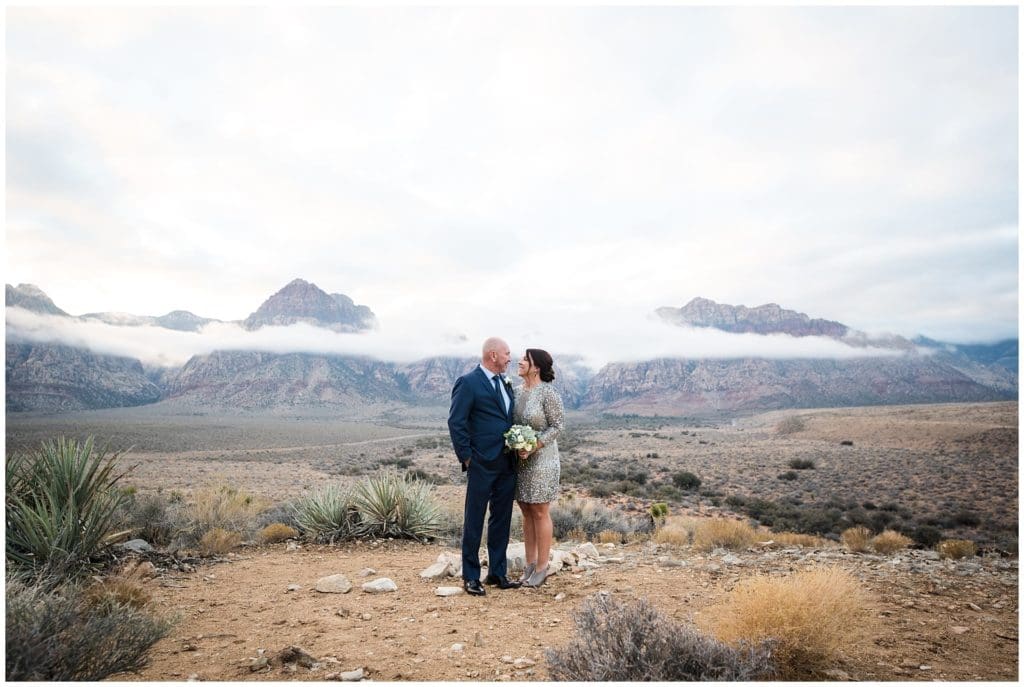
x=480, y=414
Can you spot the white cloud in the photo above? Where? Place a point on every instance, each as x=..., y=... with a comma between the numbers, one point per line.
x=616, y=335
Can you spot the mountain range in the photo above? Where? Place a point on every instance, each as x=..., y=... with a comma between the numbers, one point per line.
x=52, y=377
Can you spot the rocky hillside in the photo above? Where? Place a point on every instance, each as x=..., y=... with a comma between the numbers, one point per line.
x=31, y=297
x=53, y=378
x=764, y=319
x=300, y=301
x=57, y=378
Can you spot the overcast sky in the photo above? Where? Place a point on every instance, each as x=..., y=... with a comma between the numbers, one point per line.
x=548, y=174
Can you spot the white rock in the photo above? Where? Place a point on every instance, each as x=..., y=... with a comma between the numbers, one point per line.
x=380, y=585
x=334, y=584
x=440, y=569
x=587, y=550
x=559, y=596
x=366, y=572
x=294, y=587
x=458, y=647
x=959, y=629
x=524, y=663
x=352, y=675
x=292, y=546
x=515, y=553
x=448, y=591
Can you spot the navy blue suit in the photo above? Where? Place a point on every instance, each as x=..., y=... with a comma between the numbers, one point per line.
x=477, y=422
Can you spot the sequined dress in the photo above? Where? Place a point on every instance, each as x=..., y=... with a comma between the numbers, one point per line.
x=537, y=476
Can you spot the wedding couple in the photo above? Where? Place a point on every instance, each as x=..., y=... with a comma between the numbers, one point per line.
x=484, y=407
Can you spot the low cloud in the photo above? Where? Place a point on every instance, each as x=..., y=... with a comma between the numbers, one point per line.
x=598, y=337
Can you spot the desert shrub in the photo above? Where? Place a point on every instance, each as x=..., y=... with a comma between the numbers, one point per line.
x=223, y=508
x=424, y=476
x=801, y=464
x=588, y=517
x=926, y=535
x=151, y=517
x=966, y=518
x=956, y=548
x=326, y=515
x=116, y=590
x=724, y=533
x=56, y=635
x=890, y=541
x=62, y=505
x=618, y=642
x=790, y=425
x=282, y=513
x=610, y=537
x=799, y=539
x=856, y=539
x=219, y=541
x=788, y=476
x=276, y=532
x=686, y=480
x=389, y=506
x=601, y=490
x=810, y=616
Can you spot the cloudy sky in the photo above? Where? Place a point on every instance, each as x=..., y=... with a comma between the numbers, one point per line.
x=551, y=174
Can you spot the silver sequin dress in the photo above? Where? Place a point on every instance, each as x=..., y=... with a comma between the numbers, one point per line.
x=537, y=476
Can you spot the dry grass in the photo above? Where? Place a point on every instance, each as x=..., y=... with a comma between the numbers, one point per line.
x=669, y=534
x=798, y=539
x=222, y=508
x=121, y=590
x=218, y=541
x=812, y=616
x=276, y=532
x=956, y=548
x=609, y=537
x=715, y=533
x=890, y=541
x=856, y=539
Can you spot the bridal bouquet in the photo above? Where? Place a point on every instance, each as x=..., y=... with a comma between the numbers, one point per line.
x=521, y=437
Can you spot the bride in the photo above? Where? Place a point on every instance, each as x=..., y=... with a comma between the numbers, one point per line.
x=539, y=406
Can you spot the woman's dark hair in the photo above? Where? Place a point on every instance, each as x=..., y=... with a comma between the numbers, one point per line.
x=543, y=362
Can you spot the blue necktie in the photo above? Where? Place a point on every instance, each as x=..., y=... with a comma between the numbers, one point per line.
x=498, y=389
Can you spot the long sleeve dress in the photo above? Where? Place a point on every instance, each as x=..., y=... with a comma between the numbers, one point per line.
x=537, y=476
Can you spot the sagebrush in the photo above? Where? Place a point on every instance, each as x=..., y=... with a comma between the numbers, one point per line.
x=616, y=641
x=856, y=539
x=890, y=541
x=956, y=548
x=714, y=533
x=56, y=635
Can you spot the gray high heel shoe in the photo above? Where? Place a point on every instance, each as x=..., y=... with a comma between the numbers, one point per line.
x=530, y=567
x=537, y=578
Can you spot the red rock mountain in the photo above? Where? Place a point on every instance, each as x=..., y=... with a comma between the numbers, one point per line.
x=301, y=301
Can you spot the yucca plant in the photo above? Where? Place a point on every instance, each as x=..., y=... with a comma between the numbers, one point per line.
x=390, y=506
x=62, y=505
x=325, y=515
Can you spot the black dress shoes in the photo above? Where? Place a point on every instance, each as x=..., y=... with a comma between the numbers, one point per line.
x=473, y=588
x=501, y=582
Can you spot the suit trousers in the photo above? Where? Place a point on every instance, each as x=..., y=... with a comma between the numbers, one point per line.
x=490, y=483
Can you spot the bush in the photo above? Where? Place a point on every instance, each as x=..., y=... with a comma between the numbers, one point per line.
x=224, y=508
x=790, y=425
x=219, y=541
x=589, y=518
x=810, y=616
x=56, y=636
x=686, y=481
x=389, y=506
x=151, y=517
x=610, y=537
x=956, y=548
x=927, y=535
x=856, y=539
x=326, y=515
x=890, y=541
x=62, y=505
x=276, y=532
x=715, y=533
x=801, y=464
x=788, y=476
x=634, y=642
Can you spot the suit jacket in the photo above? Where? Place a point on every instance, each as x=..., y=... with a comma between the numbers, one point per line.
x=477, y=419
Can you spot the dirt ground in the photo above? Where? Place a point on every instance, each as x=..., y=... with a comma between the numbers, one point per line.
x=931, y=626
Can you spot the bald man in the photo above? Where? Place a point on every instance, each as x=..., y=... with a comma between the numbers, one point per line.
x=480, y=414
